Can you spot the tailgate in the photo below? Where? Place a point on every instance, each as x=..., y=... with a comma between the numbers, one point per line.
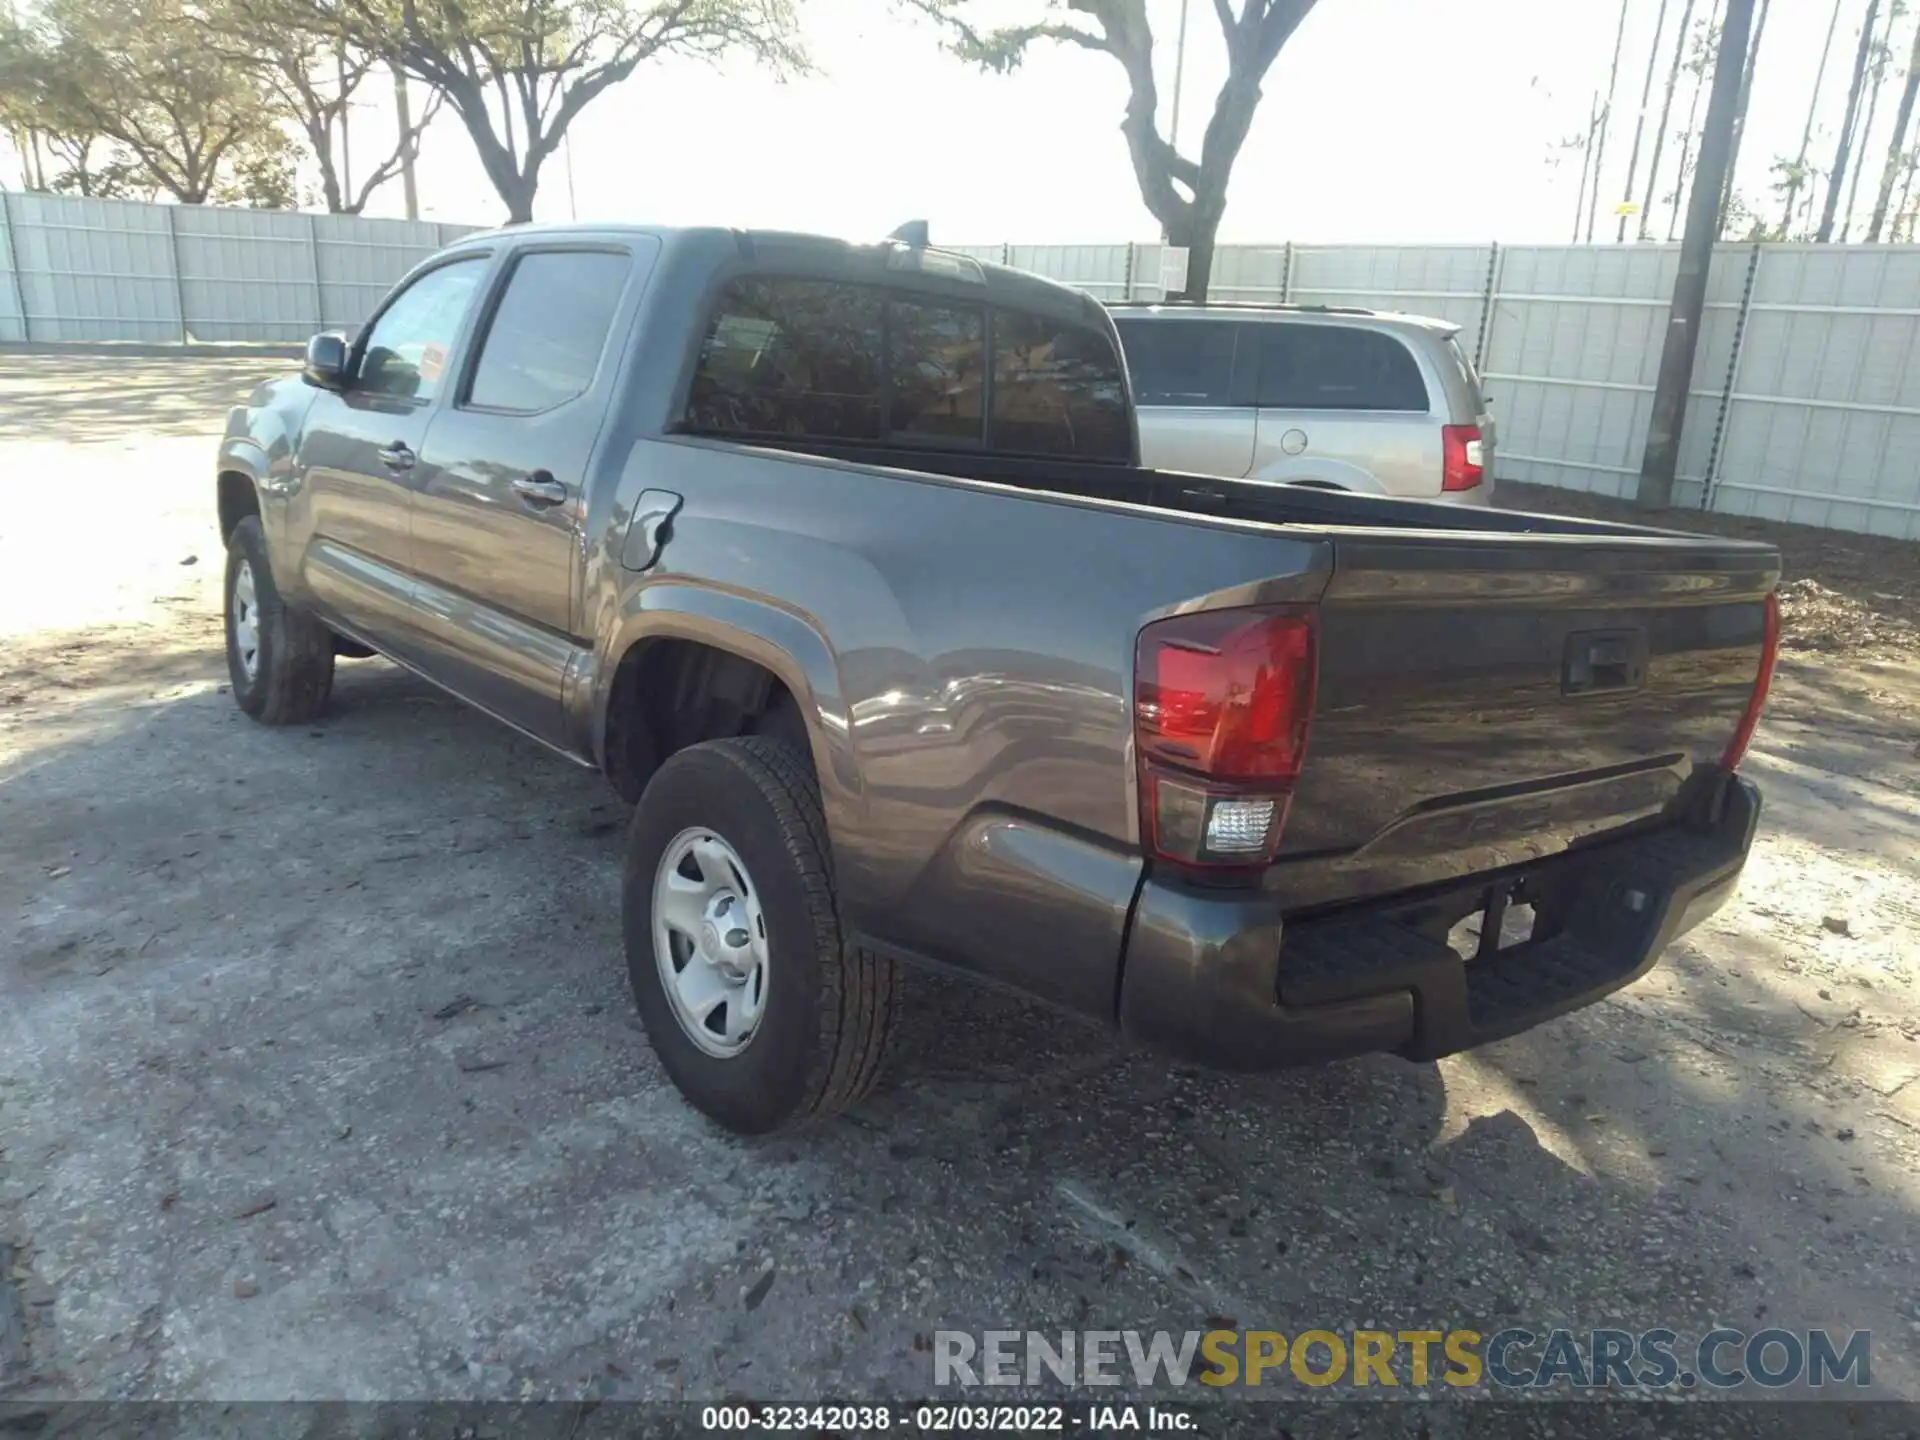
x=1485, y=700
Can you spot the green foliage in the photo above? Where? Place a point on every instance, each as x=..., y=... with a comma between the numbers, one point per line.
x=133, y=77
x=262, y=174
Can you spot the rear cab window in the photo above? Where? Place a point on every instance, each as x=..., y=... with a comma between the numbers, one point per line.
x=1306, y=366
x=844, y=361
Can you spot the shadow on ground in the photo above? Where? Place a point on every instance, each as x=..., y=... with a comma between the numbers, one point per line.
x=319, y=1078
x=51, y=396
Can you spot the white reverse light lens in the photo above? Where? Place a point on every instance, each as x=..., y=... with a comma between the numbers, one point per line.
x=1476, y=453
x=1239, y=827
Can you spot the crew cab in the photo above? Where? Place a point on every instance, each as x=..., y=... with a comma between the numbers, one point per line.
x=838, y=561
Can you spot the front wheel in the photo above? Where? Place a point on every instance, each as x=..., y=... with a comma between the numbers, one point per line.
x=760, y=1013
x=279, y=659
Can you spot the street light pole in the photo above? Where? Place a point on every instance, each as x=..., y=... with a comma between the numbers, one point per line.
x=409, y=187
x=1179, y=73
x=1662, y=454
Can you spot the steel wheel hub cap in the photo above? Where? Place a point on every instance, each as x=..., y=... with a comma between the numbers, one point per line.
x=246, y=619
x=710, y=942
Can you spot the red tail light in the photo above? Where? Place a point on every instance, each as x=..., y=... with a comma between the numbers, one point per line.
x=1222, y=702
x=1463, y=457
x=1757, y=701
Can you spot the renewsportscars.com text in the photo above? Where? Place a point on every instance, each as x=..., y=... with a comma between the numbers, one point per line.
x=1512, y=1359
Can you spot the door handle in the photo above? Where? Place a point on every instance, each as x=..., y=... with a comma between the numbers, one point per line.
x=540, y=488
x=397, y=456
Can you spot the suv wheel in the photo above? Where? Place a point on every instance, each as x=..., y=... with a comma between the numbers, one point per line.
x=279, y=659
x=760, y=1013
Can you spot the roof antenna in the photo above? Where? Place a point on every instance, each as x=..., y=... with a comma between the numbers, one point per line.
x=913, y=234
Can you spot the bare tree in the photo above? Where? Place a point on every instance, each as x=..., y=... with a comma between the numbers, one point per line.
x=1905, y=213
x=1640, y=121
x=1795, y=173
x=1255, y=34
x=1666, y=114
x=1584, y=141
x=1844, y=149
x=1877, y=77
x=519, y=72
x=1606, y=118
x=314, y=75
x=1896, y=147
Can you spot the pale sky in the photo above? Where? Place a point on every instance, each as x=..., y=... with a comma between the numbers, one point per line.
x=1384, y=120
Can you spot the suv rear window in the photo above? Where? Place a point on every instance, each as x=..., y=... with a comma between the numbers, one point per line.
x=830, y=361
x=1180, y=362
x=1336, y=367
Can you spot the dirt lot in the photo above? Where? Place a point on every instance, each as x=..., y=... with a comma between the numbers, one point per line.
x=318, y=1075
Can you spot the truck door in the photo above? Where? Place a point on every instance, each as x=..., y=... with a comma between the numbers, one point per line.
x=501, y=503
x=359, y=455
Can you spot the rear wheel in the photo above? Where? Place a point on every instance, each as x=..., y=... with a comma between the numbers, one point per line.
x=760, y=1013
x=280, y=659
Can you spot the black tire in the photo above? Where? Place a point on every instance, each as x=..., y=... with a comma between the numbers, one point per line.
x=829, y=1007
x=293, y=668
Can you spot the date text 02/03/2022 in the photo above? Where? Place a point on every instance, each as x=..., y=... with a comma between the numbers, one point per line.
x=946, y=1418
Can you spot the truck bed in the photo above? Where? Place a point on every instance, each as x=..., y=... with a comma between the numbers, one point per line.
x=1494, y=686
x=1214, y=497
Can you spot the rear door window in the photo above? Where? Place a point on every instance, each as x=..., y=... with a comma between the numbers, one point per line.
x=1180, y=362
x=544, y=342
x=1336, y=367
x=1058, y=389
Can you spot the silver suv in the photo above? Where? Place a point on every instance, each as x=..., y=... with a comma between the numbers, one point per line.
x=1341, y=399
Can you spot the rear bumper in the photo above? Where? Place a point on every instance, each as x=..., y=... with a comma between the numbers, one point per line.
x=1219, y=977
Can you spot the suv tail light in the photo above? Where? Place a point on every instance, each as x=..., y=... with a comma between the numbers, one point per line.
x=1464, y=458
x=1222, y=702
x=1757, y=701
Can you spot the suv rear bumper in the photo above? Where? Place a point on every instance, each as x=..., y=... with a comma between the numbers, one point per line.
x=1220, y=978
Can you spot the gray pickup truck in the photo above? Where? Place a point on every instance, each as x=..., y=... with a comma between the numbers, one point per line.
x=838, y=561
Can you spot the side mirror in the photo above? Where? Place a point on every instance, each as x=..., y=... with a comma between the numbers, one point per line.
x=326, y=362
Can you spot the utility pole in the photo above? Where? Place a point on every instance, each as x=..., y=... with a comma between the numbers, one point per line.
x=1662, y=454
x=346, y=152
x=1179, y=73
x=566, y=156
x=408, y=148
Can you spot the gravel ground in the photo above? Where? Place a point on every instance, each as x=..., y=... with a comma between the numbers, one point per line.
x=319, y=1078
